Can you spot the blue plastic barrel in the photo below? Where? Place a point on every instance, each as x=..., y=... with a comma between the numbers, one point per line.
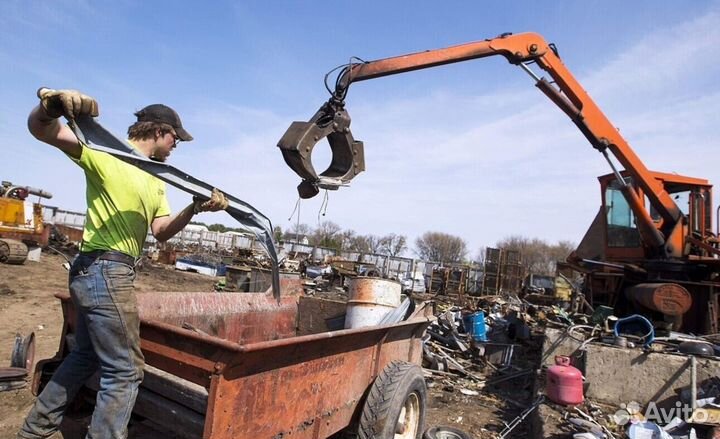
x=475, y=325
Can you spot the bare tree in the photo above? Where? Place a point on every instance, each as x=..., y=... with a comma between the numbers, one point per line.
x=442, y=247
x=561, y=250
x=327, y=234
x=393, y=244
x=300, y=229
x=538, y=256
x=357, y=244
x=347, y=237
x=480, y=258
x=366, y=244
x=296, y=232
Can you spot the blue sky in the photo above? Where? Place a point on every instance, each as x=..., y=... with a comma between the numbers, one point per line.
x=472, y=149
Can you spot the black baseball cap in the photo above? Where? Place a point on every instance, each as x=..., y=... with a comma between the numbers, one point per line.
x=164, y=114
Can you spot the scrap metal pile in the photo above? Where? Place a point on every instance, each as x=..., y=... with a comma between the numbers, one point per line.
x=487, y=355
x=676, y=410
x=490, y=355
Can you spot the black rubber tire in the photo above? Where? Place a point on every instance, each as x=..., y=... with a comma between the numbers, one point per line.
x=17, y=358
x=443, y=432
x=23, y=353
x=400, y=384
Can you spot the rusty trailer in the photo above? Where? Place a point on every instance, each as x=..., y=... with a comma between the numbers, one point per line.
x=230, y=365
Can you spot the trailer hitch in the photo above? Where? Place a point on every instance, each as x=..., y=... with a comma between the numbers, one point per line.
x=348, y=157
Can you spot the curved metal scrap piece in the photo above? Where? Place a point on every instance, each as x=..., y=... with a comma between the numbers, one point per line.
x=97, y=137
x=348, y=158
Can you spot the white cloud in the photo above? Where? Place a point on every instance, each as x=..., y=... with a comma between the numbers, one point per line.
x=482, y=166
x=663, y=60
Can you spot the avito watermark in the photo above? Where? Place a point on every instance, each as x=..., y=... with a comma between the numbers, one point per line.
x=658, y=415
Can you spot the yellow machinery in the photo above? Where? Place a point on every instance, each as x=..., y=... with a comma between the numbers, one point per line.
x=21, y=222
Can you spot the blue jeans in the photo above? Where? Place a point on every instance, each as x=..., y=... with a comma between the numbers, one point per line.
x=107, y=336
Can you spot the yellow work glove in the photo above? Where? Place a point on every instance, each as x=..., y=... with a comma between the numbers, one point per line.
x=216, y=202
x=68, y=103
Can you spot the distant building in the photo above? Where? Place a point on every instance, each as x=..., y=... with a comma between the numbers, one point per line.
x=294, y=237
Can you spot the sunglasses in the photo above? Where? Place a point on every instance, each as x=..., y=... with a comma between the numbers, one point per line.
x=175, y=137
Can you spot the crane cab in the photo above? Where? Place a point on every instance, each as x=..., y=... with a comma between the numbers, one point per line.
x=620, y=267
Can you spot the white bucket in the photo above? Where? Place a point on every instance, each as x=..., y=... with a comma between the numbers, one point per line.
x=370, y=299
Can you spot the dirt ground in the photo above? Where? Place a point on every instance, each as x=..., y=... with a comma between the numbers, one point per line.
x=27, y=305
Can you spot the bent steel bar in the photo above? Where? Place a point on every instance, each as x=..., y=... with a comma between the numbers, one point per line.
x=98, y=138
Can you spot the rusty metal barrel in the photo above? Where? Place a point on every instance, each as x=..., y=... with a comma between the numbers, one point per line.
x=668, y=298
x=369, y=299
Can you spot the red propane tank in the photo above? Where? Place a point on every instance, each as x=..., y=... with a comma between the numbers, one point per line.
x=564, y=383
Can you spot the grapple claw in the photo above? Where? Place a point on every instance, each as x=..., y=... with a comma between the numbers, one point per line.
x=348, y=157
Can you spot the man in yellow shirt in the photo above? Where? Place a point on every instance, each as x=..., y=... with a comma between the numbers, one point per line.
x=123, y=202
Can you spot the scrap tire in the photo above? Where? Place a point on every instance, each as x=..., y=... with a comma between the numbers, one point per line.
x=395, y=405
x=23, y=353
x=443, y=432
x=17, y=358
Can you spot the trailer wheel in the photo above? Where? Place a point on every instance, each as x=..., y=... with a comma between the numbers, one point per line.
x=443, y=432
x=395, y=405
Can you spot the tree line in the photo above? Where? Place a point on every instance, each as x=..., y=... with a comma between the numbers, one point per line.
x=538, y=256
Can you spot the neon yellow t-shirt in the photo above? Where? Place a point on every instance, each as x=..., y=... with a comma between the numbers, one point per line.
x=122, y=201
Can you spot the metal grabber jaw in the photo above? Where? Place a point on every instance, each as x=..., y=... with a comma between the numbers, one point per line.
x=348, y=157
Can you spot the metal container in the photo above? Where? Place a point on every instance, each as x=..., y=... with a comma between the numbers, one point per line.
x=370, y=299
x=698, y=347
x=667, y=298
x=620, y=341
x=564, y=383
x=239, y=370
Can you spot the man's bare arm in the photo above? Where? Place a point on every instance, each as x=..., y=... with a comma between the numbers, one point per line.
x=165, y=227
x=51, y=131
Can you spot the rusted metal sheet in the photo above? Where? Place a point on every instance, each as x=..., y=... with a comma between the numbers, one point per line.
x=249, y=279
x=290, y=284
x=305, y=387
x=251, y=318
x=319, y=315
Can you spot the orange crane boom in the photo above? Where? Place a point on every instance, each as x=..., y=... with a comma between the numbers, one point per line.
x=564, y=90
x=651, y=256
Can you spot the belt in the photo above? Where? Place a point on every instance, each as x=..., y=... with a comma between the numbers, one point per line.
x=112, y=255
